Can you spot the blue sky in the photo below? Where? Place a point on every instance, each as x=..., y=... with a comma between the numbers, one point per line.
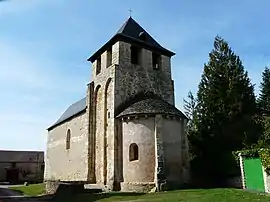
x=44, y=45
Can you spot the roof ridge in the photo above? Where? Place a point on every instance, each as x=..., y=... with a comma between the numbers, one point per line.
x=130, y=31
x=123, y=26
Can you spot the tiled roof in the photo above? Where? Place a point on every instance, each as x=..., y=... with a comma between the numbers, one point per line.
x=151, y=106
x=132, y=31
x=71, y=111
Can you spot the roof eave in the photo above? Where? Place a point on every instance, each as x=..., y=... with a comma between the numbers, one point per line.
x=134, y=114
x=121, y=37
x=103, y=48
x=65, y=120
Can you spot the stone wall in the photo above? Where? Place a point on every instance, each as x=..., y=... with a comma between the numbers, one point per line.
x=172, y=139
x=132, y=79
x=90, y=130
x=185, y=152
x=72, y=164
x=138, y=172
x=160, y=142
x=159, y=153
x=104, y=122
x=113, y=85
x=30, y=164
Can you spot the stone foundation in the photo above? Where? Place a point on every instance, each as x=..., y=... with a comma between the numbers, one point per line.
x=51, y=186
x=58, y=187
x=144, y=187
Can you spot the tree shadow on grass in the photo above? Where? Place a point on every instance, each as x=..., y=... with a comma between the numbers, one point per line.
x=87, y=197
x=68, y=193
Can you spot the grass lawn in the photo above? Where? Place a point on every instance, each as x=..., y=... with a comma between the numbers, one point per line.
x=31, y=189
x=194, y=195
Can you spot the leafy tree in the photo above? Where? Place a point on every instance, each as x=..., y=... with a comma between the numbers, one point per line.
x=225, y=110
x=264, y=141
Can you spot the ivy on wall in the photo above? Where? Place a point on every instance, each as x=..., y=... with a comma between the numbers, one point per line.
x=265, y=157
x=263, y=154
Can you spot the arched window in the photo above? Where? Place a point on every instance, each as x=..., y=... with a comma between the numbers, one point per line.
x=133, y=152
x=68, y=139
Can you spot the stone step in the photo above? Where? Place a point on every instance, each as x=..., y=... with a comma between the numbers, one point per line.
x=96, y=187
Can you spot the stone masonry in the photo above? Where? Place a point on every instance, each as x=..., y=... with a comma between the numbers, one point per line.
x=110, y=119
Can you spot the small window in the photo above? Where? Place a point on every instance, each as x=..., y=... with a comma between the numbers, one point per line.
x=68, y=139
x=156, y=60
x=133, y=152
x=134, y=55
x=98, y=65
x=109, y=57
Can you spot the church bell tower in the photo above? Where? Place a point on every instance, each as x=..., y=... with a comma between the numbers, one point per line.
x=129, y=65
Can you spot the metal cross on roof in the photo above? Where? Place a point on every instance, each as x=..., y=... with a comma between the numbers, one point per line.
x=130, y=11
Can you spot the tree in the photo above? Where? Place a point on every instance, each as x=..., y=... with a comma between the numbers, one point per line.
x=190, y=109
x=264, y=97
x=226, y=107
x=264, y=104
x=190, y=105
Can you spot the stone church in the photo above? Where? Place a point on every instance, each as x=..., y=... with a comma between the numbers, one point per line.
x=126, y=134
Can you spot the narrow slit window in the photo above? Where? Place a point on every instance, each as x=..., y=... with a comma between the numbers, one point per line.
x=109, y=57
x=156, y=61
x=68, y=139
x=98, y=70
x=133, y=152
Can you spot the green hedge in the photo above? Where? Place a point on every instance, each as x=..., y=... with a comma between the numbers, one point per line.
x=263, y=154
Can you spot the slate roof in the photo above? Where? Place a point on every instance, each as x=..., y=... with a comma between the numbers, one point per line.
x=151, y=106
x=131, y=31
x=71, y=111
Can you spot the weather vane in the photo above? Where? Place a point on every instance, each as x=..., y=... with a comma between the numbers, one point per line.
x=130, y=11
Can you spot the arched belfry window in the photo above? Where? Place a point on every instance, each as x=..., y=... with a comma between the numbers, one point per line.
x=68, y=139
x=133, y=152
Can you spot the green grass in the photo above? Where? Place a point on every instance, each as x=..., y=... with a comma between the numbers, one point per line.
x=192, y=195
x=30, y=190
x=196, y=195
